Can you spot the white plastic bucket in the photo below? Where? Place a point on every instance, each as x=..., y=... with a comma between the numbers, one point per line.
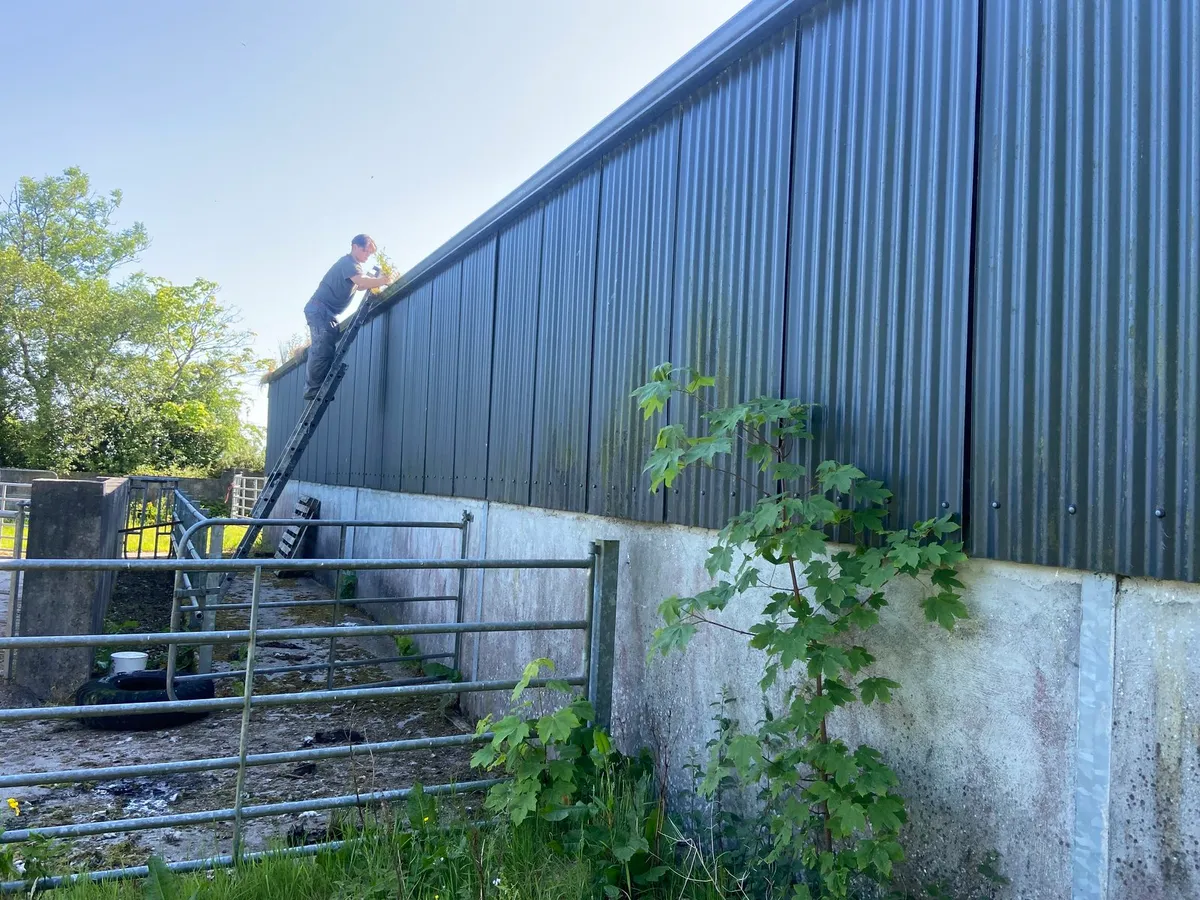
x=129, y=661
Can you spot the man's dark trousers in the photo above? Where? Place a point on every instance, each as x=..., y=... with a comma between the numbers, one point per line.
x=323, y=330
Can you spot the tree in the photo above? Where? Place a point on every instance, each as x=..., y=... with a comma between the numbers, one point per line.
x=103, y=374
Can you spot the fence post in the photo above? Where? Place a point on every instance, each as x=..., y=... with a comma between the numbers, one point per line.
x=462, y=577
x=602, y=652
x=244, y=736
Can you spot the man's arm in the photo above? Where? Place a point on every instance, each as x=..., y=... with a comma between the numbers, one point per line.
x=366, y=282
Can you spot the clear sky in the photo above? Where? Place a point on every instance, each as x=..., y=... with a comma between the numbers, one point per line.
x=254, y=139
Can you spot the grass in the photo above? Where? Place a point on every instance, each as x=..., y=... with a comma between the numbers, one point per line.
x=8, y=538
x=502, y=863
x=427, y=849
x=229, y=541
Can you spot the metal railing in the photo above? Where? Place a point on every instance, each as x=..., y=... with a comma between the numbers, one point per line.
x=597, y=624
x=196, y=537
x=243, y=494
x=12, y=546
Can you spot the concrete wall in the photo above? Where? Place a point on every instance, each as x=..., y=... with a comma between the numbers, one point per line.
x=68, y=520
x=1063, y=692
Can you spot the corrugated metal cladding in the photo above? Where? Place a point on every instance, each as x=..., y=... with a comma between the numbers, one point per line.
x=730, y=256
x=275, y=420
x=414, y=398
x=633, y=317
x=474, y=363
x=880, y=242
x=443, y=381
x=514, y=358
x=393, y=391
x=376, y=403
x=564, y=348
x=340, y=416
x=365, y=436
x=1087, y=327
x=969, y=231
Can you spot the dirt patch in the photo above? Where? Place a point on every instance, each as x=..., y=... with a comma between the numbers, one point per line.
x=143, y=599
x=50, y=745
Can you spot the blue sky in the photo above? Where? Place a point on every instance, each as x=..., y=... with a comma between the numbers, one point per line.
x=254, y=140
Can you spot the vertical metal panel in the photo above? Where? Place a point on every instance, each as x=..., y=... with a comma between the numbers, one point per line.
x=376, y=402
x=880, y=242
x=323, y=448
x=474, y=366
x=294, y=406
x=633, y=314
x=415, y=393
x=395, y=387
x=514, y=360
x=443, y=381
x=730, y=251
x=564, y=348
x=275, y=390
x=357, y=397
x=341, y=412
x=1087, y=326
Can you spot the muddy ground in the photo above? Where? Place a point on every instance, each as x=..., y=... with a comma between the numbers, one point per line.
x=50, y=745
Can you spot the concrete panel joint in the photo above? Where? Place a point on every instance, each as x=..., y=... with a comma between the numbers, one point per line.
x=1093, y=749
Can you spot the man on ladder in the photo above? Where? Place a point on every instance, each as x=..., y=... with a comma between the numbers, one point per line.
x=329, y=301
x=325, y=371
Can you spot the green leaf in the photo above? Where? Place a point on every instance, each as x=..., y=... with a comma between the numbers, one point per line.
x=766, y=516
x=946, y=579
x=532, y=670
x=906, y=556
x=880, y=689
x=626, y=850
x=846, y=817
x=859, y=659
x=745, y=752
x=601, y=742
x=556, y=726
x=833, y=476
x=789, y=472
x=720, y=559
x=886, y=814
x=944, y=608
x=871, y=492
x=669, y=638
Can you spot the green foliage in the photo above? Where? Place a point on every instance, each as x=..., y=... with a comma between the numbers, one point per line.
x=564, y=770
x=830, y=811
x=163, y=884
x=100, y=374
x=547, y=774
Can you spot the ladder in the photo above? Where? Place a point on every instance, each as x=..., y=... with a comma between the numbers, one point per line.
x=302, y=433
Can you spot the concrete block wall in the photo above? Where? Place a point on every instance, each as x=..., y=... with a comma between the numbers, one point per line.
x=68, y=520
x=1059, y=725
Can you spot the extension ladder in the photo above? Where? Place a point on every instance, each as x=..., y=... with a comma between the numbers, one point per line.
x=301, y=434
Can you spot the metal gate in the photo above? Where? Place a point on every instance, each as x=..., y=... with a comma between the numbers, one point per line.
x=243, y=494
x=14, y=517
x=594, y=617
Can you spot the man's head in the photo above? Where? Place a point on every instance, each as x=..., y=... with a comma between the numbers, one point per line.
x=361, y=247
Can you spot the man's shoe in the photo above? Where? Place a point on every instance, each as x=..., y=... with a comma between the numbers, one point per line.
x=310, y=395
